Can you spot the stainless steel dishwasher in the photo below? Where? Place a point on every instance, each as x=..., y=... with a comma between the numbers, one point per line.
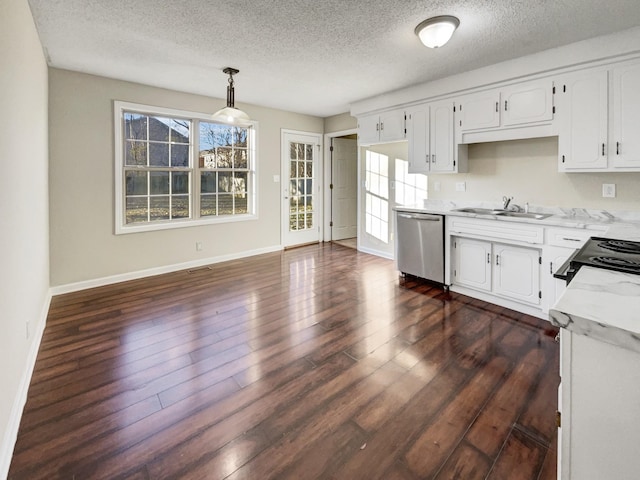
x=420, y=245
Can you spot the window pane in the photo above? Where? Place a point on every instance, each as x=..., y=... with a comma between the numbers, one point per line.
x=309, y=169
x=293, y=170
x=207, y=205
x=225, y=157
x=300, y=170
x=214, y=135
x=179, y=155
x=240, y=159
x=242, y=204
x=136, y=209
x=208, y=182
x=225, y=182
x=240, y=182
x=225, y=204
x=159, y=129
x=159, y=183
x=293, y=151
x=180, y=130
x=180, y=182
x=240, y=136
x=309, y=151
x=300, y=147
x=135, y=153
x=159, y=208
x=179, y=206
x=136, y=183
x=309, y=187
x=309, y=203
x=293, y=222
x=301, y=187
x=309, y=220
x=135, y=126
x=159, y=154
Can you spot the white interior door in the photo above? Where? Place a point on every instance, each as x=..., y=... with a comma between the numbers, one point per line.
x=344, y=195
x=301, y=214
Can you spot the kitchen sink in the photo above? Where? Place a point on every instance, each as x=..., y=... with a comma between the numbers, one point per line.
x=536, y=216
x=480, y=211
x=502, y=213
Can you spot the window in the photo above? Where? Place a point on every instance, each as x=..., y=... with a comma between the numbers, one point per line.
x=411, y=188
x=177, y=169
x=377, y=195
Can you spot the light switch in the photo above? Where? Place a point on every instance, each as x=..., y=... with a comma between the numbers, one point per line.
x=609, y=190
x=461, y=186
x=276, y=179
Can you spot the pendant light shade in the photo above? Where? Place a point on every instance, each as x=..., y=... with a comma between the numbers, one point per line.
x=436, y=31
x=230, y=114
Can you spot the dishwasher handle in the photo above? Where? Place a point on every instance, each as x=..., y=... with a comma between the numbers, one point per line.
x=420, y=216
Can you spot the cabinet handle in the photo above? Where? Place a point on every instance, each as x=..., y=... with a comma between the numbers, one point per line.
x=603, y=149
x=551, y=268
x=497, y=259
x=433, y=158
x=617, y=148
x=569, y=239
x=488, y=258
x=377, y=127
x=497, y=107
x=381, y=126
x=505, y=105
x=427, y=155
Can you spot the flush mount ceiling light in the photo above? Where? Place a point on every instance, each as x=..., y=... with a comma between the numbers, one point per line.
x=230, y=113
x=436, y=31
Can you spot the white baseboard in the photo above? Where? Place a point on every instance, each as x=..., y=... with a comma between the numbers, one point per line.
x=99, y=282
x=377, y=253
x=11, y=433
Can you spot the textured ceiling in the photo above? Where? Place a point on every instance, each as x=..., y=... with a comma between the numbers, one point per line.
x=307, y=56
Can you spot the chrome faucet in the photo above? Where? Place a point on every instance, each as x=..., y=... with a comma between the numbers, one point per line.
x=506, y=201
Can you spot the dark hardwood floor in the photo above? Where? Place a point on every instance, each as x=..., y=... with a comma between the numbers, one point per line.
x=317, y=362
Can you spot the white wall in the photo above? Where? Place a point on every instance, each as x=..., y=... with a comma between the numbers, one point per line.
x=83, y=244
x=24, y=220
x=528, y=171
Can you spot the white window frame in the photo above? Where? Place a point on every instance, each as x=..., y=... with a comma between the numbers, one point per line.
x=121, y=227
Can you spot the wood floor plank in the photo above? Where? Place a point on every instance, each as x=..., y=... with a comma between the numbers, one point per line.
x=316, y=362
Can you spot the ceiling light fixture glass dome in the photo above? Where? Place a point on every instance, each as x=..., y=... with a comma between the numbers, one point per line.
x=436, y=31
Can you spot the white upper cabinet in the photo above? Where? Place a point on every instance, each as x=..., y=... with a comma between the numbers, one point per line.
x=581, y=100
x=599, y=119
x=625, y=141
x=431, y=138
x=479, y=110
x=523, y=104
x=382, y=128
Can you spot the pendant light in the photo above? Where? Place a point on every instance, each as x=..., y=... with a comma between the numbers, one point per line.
x=436, y=31
x=230, y=114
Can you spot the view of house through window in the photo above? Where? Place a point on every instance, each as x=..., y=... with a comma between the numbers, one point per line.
x=177, y=170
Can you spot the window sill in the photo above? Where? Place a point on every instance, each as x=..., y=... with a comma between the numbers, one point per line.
x=152, y=227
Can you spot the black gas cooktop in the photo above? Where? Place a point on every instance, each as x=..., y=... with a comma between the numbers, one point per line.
x=607, y=253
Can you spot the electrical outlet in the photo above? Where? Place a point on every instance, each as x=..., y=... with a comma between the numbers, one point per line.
x=608, y=190
x=461, y=186
x=436, y=186
x=198, y=246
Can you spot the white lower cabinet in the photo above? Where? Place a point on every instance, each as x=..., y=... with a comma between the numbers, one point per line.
x=599, y=398
x=553, y=258
x=510, y=271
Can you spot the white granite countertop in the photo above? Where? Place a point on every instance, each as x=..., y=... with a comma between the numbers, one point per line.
x=601, y=304
x=598, y=303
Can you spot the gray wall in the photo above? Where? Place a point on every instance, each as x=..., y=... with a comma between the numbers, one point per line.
x=83, y=245
x=528, y=171
x=24, y=205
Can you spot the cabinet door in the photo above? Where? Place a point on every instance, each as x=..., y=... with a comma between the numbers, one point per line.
x=530, y=102
x=392, y=126
x=517, y=273
x=552, y=288
x=479, y=110
x=625, y=148
x=441, y=134
x=583, y=123
x=368, y=129
x=472, y=267
x=418, y=139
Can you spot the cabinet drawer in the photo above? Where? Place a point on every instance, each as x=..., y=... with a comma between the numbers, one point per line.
x=496, y=229
x=568, y=237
